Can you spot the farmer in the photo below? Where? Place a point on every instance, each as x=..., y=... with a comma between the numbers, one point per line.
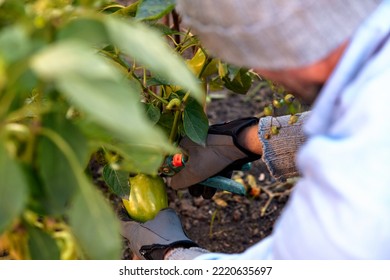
x=335, y=54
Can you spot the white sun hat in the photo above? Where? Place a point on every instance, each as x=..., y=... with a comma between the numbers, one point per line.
x=273, y=34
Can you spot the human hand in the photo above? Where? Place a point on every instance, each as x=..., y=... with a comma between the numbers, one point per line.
x=220, y=156
x=153, y=239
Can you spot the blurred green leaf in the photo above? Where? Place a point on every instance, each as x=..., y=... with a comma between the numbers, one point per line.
x=41, y=245
x=59, y=184
x=14, y=43
x=138, y=158
x=57, y=175
x=117, y=181
x=11, y=12
x=93, y=131
x=89, y=212
x=13, y=189
x=135, y=157
x=94, y=224
x=154, y=9
x=38, y=202
x=66, y=59
x=86, y=29
x=135, y=38
x=195, y=122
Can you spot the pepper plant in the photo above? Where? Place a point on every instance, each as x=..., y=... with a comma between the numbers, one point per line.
x=82, y=76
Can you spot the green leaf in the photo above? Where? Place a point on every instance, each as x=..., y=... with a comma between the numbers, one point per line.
x=233, y=71
x=152, y=112
x=195, y=122
x=112, y=8
x=128, y=11
x=166, y=122
x=57, y=175
x=13, y=189
x=154, y=9
x=241, y=83
x=117, y=181
x=94, y=224
x=41, y=245
x=147, y=47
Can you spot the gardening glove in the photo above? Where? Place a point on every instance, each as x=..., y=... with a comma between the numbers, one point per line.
x=220, y=156
x=152, y=239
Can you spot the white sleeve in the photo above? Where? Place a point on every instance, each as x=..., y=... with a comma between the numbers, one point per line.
x=340, y=208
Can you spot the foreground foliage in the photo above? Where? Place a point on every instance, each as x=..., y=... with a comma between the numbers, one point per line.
x=77, y=77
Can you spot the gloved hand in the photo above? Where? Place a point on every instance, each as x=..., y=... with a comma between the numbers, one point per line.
x=152, y=239
x=221, y=155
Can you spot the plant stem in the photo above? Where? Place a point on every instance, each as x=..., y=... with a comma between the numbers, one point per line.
x=213, y=216
x=175, y=126
x=157, y=97
x=162, y=100
x=144, y=78
x=180, y=47
x=176, y=25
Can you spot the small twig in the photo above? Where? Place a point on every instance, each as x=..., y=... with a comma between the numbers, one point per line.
x=213, y=216
x=271, y=195
x=147, y=90
x=175, y=127
x=152, y=93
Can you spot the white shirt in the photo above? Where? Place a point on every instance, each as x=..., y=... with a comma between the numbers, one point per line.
x=340, y=208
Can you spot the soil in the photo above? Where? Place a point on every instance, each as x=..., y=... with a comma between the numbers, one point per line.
x=230, y=223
